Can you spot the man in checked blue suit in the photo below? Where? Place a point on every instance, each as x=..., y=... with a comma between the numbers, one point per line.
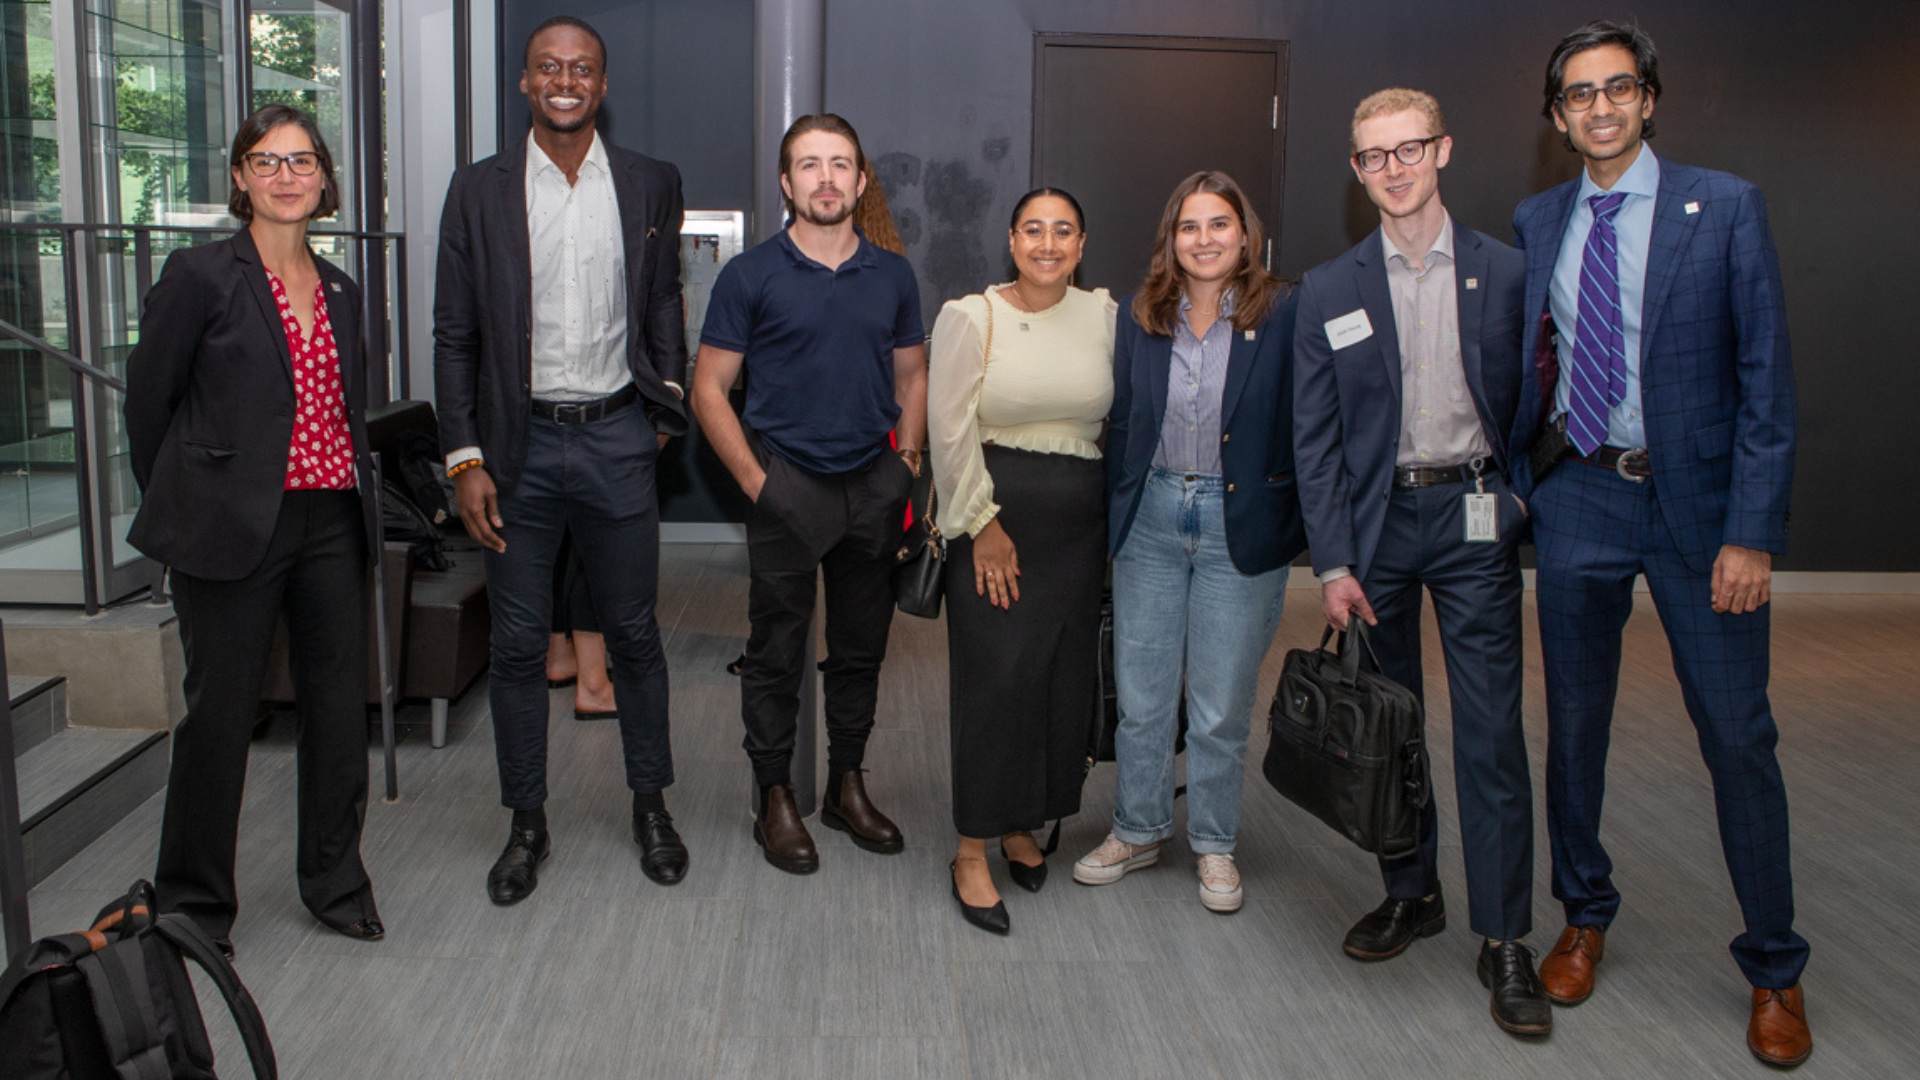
x=1408, y=379
x=1676, y=396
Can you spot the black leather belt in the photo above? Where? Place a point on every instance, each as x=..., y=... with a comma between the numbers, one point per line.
x=585, y=412
x=1631, y=464
x=1419, y=476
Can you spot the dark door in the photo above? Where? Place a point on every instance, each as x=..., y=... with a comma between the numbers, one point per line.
x=1118, y=121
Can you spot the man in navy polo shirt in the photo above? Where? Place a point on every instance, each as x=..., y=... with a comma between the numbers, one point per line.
x=828, y=327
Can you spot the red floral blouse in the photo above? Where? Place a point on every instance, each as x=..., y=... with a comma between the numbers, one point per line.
x=321, y=455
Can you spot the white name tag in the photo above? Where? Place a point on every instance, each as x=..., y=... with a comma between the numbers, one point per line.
x=1349, y=329
x=1483, y=517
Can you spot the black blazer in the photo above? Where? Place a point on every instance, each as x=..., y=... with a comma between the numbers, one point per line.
x=483, y=303
x=1256, y=431
x=1347, y=417
x=210, y=405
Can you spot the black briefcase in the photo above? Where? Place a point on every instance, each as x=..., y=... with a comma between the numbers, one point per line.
x=1349, y=745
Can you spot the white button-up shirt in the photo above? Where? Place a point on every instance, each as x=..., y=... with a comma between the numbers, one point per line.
x=579, y=279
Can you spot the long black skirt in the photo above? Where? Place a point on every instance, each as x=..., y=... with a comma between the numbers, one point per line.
x=1025, y=689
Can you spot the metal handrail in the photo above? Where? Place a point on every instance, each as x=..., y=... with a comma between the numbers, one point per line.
x=81, y=371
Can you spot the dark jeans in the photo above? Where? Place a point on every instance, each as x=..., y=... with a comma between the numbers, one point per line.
x=314, y=572
x=597, y=481
x=849, y=526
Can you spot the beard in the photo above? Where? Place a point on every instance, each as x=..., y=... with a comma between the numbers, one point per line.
x=564, y=127
x=805, y=212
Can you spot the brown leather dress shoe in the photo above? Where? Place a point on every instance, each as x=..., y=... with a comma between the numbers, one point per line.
x=1567, y=972
x=848, y=809
x=783, y=835
x=1778, y=1033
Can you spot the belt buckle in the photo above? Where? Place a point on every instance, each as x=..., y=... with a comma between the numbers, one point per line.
x=570, y=412
x=1634, y=465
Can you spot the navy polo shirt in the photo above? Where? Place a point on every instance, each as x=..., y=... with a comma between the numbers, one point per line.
x=819, y=347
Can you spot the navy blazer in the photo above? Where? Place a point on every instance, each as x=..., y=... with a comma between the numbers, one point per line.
x=1347, y=420
x=210, y=405
x=483, y=303
x=1256, y=435
x=1716, y=370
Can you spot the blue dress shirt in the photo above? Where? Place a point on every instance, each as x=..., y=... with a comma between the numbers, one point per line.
x=1633, y=231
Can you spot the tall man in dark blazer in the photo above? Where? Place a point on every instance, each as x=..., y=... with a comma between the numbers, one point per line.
x=1675, y=393
x=559, y=350
x=1408, y=374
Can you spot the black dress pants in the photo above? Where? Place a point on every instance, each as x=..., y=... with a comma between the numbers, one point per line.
x=847, y=525
x=315, y=572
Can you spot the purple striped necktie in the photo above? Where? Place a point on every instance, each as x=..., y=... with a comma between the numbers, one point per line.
x=1599, y=345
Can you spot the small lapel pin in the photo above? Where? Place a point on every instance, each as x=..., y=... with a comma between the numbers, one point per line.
x=1249, y=335
x=651, y=232
x=1473, y=283
x=336, y=285
x=1693, y=208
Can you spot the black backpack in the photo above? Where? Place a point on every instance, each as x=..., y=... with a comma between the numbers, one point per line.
x=114, y=1002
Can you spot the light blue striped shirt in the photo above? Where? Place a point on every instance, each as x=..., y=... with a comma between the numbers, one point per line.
x=1196, y=381
x=1633, y=231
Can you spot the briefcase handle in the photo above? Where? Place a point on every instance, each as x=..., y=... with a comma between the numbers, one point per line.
x=1350, y=657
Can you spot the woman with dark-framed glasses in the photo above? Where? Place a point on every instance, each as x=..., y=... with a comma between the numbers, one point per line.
x=246, y=402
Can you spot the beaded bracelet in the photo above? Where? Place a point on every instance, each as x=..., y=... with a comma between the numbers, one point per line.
x=456, y=470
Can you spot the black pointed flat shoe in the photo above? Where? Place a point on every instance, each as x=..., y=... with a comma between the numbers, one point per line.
x=1030, y=878
x=993, y=920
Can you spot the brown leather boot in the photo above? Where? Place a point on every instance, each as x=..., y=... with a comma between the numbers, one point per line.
x=848, y=809
x=1567, y=972
x=783, y=835
x=1778, y=1033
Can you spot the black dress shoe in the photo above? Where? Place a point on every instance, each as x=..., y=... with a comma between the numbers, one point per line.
x=1386, y=931
x=994, y=920
x=663, y=858
x=364, y=930
x=1030, y=878
x=517, y=871
x=1519, y=1001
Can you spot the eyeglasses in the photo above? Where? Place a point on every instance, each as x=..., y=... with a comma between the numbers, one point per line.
x=263, y=165
x=1411, y=152
x=1624, y=90
x=1034, y=232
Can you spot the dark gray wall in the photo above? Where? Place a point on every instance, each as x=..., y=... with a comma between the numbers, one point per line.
x=679, y=85
x=1813, y=102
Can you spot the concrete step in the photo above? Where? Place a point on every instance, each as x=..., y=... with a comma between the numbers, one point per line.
x=39, y=709
x=78, y=783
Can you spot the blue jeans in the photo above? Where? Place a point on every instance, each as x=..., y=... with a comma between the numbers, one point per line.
x=1181, y=607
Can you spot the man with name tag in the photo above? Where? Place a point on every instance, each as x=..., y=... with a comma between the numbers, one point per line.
x=1408, y=377
x=1670, y=454
x=559, y=349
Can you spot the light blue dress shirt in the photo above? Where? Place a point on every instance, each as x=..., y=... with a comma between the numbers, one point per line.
x=1633, y=233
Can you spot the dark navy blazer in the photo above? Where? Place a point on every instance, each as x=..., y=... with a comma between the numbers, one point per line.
x=1347, y=426
x=1256, y=435
x=1716, y=371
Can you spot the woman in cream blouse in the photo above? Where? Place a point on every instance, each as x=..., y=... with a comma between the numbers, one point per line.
x=1020, y=380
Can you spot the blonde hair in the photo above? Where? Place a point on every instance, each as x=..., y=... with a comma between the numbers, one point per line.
x=1393, y=100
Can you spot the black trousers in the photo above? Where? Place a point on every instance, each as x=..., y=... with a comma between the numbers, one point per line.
x=847, y=525
x=315, y=572
x=593, y=482
x=1477, y=597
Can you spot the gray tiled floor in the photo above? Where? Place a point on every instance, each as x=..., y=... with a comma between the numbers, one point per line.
x=866, y=970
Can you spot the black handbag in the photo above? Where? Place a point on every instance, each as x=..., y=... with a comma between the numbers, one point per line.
x=1348, y=745
x=920, y=566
